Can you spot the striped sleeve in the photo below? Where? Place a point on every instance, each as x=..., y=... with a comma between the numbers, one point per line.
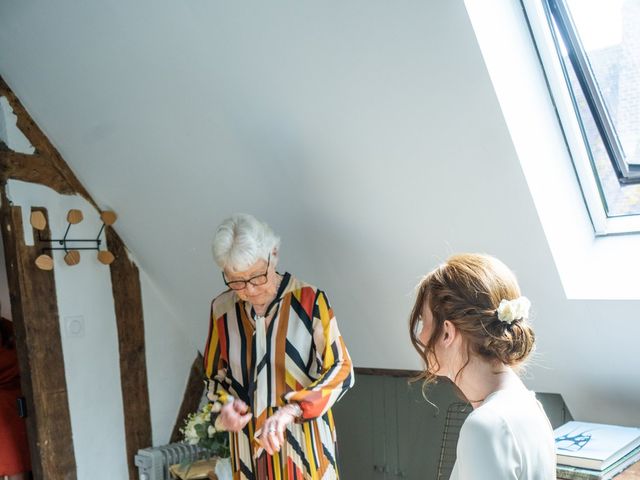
x=337, y=371
x=216, y=357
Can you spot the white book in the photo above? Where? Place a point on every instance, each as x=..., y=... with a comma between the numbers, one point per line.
x=593, y=445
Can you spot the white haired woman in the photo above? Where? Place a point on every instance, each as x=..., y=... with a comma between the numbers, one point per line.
x=275, y=358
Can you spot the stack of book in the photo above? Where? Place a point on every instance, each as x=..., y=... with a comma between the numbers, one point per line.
x=594, y=451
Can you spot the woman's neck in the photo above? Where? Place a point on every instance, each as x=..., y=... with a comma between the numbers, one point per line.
x=261, y=309
x=480, y=378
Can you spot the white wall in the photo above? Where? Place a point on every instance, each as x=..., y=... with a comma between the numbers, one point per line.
x=368, y=134
x=170, y=355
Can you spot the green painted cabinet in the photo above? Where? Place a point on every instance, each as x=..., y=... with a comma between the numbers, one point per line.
x=387, y=430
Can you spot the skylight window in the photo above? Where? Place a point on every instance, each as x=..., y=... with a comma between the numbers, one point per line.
x=598, y=43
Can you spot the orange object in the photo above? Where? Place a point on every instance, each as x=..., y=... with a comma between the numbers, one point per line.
x=72, y=257
x=14, y=448
x=74, y=216
x=108, y=217
x=38, y=220
x=106, y=257
x=44, y=262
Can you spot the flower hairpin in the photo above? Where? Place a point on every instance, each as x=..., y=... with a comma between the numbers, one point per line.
x=511, y=310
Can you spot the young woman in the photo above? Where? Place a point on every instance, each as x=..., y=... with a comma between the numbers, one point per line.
x=469, y=324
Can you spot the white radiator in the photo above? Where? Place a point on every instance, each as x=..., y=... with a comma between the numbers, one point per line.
x=153, y=463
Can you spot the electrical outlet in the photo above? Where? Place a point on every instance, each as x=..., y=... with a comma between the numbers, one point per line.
x=74, y=326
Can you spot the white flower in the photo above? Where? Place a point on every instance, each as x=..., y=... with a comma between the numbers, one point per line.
x=523, y=306
x=216, y=407
x=211, y=431
x=511, y=310
x=190, y=435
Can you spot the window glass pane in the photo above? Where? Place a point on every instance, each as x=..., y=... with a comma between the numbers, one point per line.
x=610, y=34
x=619, y=199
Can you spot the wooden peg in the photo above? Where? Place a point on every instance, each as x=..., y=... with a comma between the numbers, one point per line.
x=44, y=262
x=72, y=257
x=38, y=220
x=108, y=217
x=106, y=257
x=74, y=216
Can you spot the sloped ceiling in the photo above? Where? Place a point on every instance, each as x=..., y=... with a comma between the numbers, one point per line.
x=366, y=133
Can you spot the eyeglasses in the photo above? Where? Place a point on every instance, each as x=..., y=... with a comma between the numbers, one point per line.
x=256, y=281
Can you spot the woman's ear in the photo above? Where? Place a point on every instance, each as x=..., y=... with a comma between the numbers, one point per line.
x=449, y=333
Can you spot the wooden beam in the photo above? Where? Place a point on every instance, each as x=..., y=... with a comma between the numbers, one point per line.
x=35, y=314
x=192, y=396
x=34, y=168
x=15, y=294
x=125, y=284
x=386, y=372
x=42, y=144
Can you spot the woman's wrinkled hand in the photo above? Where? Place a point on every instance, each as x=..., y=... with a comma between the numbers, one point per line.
x=234, y=416
x=272, y=435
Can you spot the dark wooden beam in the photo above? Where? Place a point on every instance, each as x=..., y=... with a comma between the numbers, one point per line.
x=41, y=143
x=34, y=309
x=192, y=396
x=386, y=372
x=34, y=168
x=125, y=284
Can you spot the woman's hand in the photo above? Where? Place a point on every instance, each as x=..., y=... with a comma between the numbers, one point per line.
x=272, y=436
x=233, y=416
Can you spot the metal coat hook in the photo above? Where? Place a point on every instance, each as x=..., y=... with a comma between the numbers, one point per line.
x=72, y=254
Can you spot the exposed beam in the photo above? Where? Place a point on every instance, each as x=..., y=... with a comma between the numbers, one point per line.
x=125, y=284
x=42, y=144
x=34, y=310
x=192, y=395
x=34, y=168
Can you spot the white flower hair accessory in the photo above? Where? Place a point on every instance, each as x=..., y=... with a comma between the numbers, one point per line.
x=511, y=310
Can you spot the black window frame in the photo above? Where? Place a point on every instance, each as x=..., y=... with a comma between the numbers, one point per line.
x=558, y=11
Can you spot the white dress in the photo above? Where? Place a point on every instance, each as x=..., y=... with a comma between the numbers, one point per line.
x=508, y=437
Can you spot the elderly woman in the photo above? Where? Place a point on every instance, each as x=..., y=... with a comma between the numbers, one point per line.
x=275, y=358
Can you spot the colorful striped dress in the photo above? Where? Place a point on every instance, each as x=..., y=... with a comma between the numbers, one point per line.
x=298, y=357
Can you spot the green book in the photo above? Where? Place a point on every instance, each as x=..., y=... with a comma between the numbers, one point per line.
x=567, y=472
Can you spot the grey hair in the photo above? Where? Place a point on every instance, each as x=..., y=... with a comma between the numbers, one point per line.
x=241, y=240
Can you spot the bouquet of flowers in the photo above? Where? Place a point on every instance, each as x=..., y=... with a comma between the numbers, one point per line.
x=199, y=429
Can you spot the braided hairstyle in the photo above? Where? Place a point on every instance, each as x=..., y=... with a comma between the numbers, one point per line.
x=467, y=290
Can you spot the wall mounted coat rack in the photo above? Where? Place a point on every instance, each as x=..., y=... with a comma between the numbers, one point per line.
x=70, y=245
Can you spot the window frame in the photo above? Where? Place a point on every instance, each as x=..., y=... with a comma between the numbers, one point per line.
x=587, y=79
x=539, y=18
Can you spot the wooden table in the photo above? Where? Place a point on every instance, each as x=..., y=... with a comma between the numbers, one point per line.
x=631, y=473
